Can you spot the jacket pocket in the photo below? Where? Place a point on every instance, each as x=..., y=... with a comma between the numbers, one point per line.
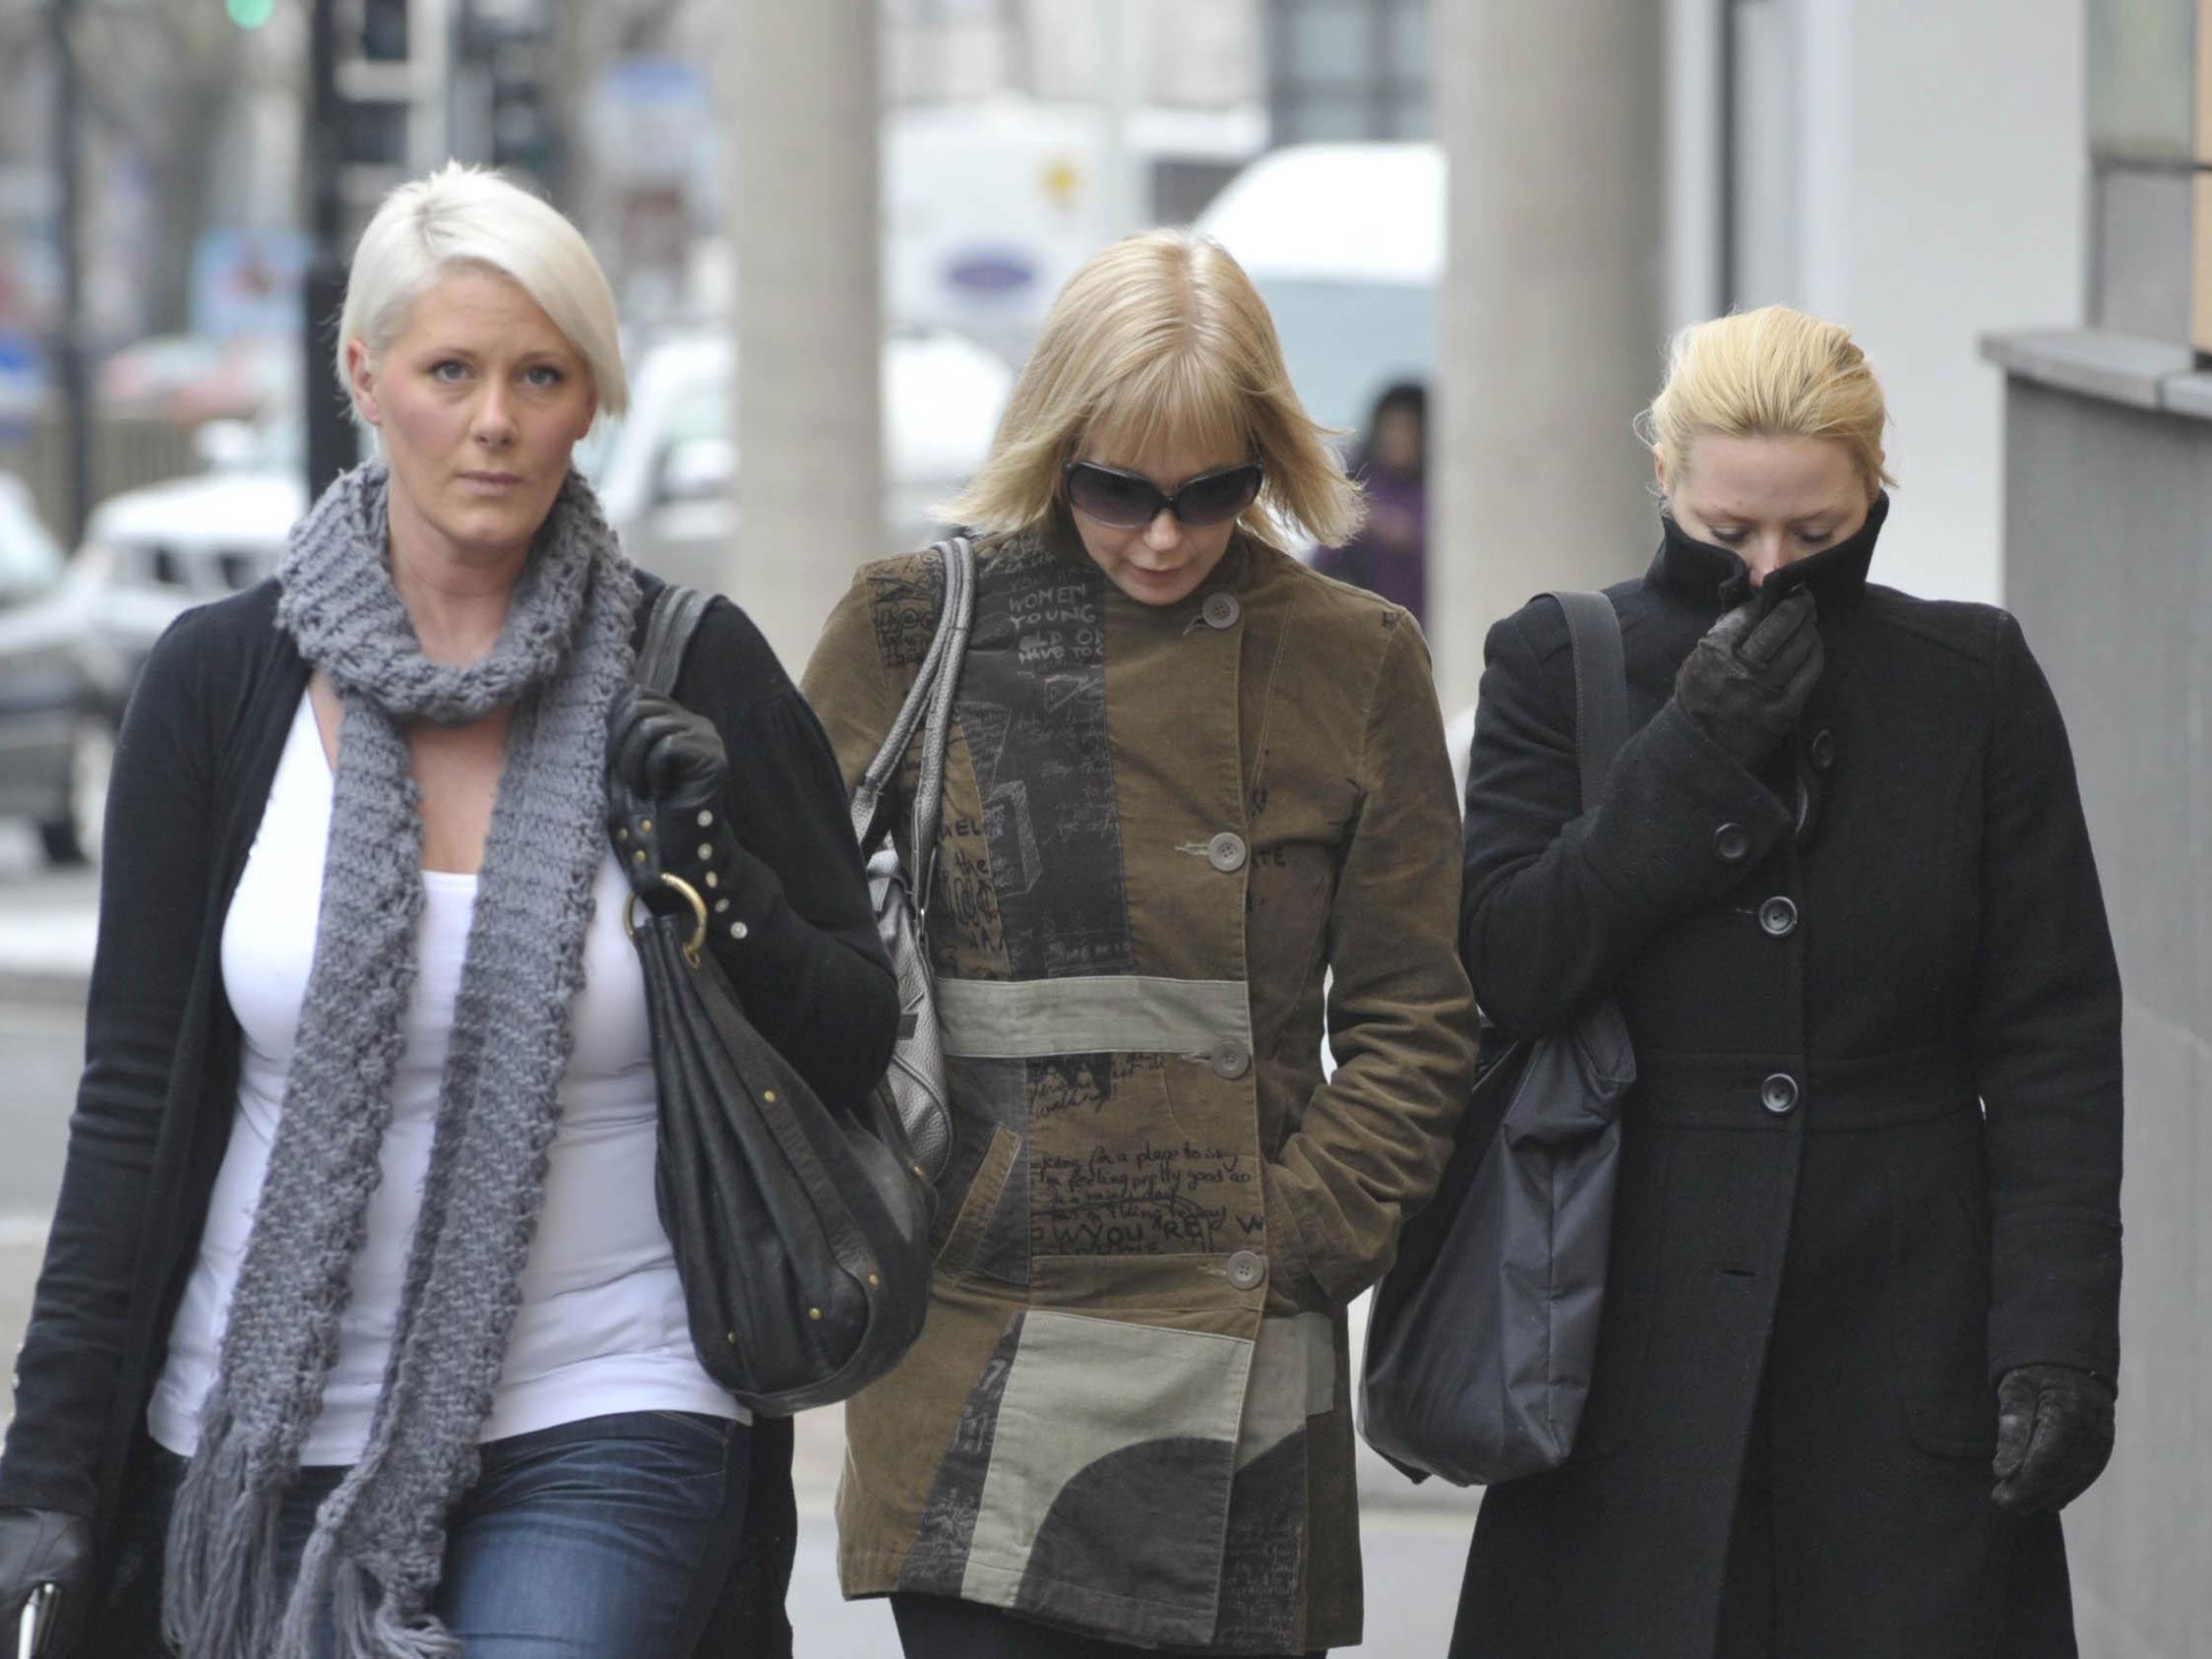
x=1939, y=1301
x=1292, y=1286
x=957, y=1248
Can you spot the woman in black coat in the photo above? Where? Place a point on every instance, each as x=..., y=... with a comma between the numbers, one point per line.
x=1860, y=1321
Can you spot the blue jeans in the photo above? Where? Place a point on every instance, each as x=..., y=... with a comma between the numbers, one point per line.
x=607, y=1538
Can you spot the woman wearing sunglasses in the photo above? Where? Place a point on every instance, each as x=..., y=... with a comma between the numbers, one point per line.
x=1190, y=781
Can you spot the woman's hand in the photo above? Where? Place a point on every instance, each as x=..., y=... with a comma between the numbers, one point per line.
x=44, y=1546
x=1746, y=682
x=665, y=753
x=668, y=769
x=2053, y=1434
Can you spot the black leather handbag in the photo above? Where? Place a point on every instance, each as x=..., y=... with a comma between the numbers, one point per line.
x=1482, y=1338
x=801, y=1234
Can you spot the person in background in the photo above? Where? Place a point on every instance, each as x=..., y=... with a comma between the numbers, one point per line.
x=358, y=1333
x=1860, y=1321
x=1389, y=555
x=1196, y=797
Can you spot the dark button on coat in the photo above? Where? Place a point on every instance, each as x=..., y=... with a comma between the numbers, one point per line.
x=1872, y=1161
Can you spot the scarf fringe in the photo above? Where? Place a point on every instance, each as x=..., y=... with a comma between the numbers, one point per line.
x=220, y=1590
x=366, y=1619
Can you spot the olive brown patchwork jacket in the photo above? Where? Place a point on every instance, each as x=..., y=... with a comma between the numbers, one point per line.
x=1174, y=837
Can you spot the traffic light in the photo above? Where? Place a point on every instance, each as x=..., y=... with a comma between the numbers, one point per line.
x=250, y=13
x=384, y=30
x=522, y=125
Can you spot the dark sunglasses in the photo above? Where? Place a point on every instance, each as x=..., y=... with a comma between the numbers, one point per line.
x=1127, y=501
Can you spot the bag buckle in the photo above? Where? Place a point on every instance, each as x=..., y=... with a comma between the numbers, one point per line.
x=697, y=941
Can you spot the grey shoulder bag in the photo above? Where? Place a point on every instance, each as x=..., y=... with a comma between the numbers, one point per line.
x=1482, y=1335
x=917, y=1079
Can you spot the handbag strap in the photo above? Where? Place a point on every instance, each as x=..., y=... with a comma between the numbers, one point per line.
x=929, y=706
x=676, y=610
x=1601, y=686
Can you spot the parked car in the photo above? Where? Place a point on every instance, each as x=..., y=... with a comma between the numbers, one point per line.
x=155, y=552
x=61, y=689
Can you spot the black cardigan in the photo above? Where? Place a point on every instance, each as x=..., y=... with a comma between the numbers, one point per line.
x=199, y=748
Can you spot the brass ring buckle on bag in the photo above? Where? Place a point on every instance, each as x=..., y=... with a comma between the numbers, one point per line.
x=697, y=941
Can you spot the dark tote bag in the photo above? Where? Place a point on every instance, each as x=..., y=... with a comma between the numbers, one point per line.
x=1482, y=1337
x=801, y=1235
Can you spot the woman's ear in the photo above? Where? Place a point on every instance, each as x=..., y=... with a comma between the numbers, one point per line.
x=360, y=381
x=1659, y=473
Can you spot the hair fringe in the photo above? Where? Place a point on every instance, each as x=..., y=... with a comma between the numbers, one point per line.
x=462, y=218
x=1160, y=339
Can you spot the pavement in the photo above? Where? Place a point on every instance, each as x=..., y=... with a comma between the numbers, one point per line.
x=1415, y=1536
x=47, y=922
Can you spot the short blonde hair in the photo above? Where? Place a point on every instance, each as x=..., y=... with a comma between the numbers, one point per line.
x=462, y=218
x=1769, y=373
x=1160, y=337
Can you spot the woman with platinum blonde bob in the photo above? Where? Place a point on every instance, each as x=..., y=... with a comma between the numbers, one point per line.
x=1189, y=782
x=1861, y=1319
x=359, y=1336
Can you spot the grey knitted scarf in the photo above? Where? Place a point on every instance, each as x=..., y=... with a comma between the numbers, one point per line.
x=561, y=657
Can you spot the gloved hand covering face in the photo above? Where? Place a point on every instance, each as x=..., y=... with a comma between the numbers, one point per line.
x=1747, y=681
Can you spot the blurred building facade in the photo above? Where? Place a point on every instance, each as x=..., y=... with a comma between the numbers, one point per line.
x=1348, y=69
x=1909, y=169
x=1185, y=53
x=2107, y=495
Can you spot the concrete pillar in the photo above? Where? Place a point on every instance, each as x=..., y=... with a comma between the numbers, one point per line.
x=1552, y=117
x=801, y=95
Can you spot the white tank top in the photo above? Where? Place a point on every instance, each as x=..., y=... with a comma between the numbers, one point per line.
x=602, y=1325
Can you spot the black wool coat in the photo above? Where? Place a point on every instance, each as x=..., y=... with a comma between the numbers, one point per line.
x=1873, y=1158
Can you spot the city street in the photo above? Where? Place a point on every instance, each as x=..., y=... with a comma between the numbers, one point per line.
x=1344, y=310
x=1416, y=1538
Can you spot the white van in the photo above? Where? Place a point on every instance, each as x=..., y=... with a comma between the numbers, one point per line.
x=989, y=206
x=1345, y=242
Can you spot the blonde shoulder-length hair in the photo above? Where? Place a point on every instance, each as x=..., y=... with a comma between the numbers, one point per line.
x=1161, y=337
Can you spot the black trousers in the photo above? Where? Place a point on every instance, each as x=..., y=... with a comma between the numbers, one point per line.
x=939, y=1627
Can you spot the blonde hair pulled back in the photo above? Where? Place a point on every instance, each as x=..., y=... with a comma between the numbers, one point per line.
x=1159, y=338
x=1770, y=373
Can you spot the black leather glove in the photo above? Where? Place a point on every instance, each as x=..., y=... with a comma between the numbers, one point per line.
x=1746, y=682
x=664, y=752
x=2053, y=1434
x=667, y=772
x=45, y=1547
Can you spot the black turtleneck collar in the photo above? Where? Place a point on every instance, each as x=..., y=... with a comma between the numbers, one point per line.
x=1698, y=569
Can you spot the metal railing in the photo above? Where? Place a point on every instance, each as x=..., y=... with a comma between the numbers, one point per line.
x=125, y=452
